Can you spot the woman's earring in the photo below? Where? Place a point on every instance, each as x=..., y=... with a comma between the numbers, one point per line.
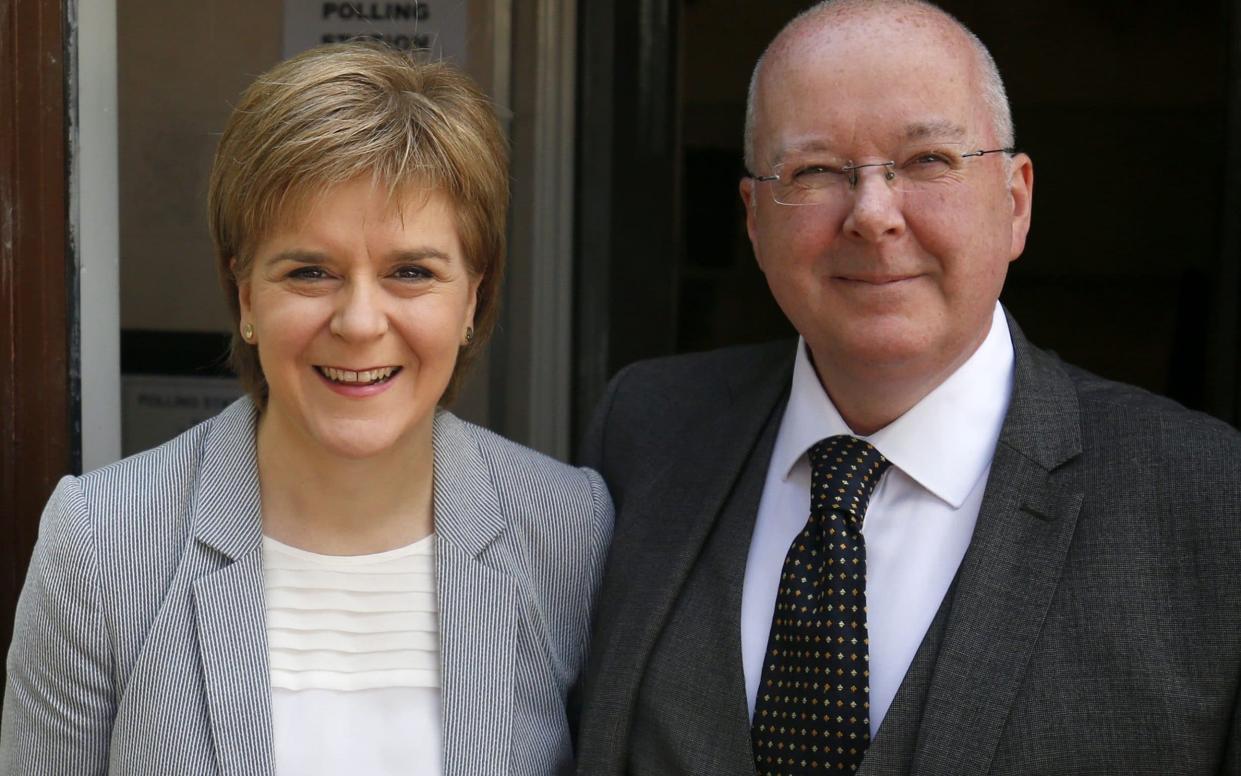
x=469, y=335
x=247, y=332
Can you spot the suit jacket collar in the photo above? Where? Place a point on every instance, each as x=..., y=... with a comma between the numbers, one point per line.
x=477, y=595
x=1010, y=571
x=989, y=624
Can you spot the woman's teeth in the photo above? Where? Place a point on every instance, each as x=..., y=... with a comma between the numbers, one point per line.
x=366, y=376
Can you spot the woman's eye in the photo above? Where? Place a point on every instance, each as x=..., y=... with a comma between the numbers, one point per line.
x=411, y=272
x=308, y=273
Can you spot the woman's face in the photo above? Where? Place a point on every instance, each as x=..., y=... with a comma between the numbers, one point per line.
x=359, y=309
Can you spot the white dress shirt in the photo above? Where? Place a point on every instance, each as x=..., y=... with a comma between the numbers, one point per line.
x=920, y=518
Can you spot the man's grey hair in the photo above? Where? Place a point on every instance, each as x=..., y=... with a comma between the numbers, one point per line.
x=993, y=94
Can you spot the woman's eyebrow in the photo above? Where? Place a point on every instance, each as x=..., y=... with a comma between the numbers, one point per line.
x=417, y=254
x=298, y=255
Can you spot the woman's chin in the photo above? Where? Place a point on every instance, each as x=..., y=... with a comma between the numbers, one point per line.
x=358, y=441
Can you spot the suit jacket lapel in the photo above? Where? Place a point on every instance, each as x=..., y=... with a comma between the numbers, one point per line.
x=229, y=605
x=1009, y=572
x=479, y=604
x=681, y=506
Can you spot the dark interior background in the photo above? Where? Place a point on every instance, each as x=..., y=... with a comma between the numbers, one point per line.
x=1127, y=108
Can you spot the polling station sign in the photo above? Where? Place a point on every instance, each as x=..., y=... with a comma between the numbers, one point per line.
x=437, y=26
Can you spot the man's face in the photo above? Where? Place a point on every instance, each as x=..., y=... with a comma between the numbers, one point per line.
x=885, y=282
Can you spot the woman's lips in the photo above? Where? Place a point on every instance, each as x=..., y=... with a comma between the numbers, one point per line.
x=358, y=383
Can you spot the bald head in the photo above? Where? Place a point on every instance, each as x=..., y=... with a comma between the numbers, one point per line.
x=811, y=28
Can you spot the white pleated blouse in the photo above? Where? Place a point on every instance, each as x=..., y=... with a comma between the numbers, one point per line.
x=353, y=643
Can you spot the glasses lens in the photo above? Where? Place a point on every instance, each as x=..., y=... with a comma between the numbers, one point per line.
x=808, y=182
x=924, y=166
x=824, y=179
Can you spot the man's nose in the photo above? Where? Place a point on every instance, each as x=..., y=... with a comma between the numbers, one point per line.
x=360, y=313
x=875, y=213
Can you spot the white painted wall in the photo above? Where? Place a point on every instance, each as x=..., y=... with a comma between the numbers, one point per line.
x=94, y=224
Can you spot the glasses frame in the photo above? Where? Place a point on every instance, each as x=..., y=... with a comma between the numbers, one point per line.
x=851, y=173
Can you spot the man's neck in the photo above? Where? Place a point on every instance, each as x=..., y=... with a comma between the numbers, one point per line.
x=870, y=397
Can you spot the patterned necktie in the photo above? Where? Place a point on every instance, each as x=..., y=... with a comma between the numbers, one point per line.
x=812, y=714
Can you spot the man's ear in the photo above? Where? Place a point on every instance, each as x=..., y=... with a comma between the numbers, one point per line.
x=749, y=197
x=1021, y=191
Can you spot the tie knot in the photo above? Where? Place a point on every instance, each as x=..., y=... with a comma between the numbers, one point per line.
x=844, y=470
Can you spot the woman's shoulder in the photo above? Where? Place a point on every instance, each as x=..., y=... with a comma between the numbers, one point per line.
x=514, y=465
x=162, y=483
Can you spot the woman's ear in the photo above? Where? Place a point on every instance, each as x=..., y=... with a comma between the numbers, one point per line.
x=472, y=303
x=243, y=290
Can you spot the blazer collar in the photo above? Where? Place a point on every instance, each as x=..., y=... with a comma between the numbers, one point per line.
x=228, y=595
x=467, y=510
x=477, y=596
x=227, y=514
x=480, y=604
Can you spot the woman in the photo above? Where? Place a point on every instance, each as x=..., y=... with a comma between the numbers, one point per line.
x=332, y=576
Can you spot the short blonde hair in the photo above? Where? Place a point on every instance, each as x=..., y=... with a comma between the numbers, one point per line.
x=333, y=113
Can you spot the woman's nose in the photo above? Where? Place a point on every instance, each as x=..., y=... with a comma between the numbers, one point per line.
x=360, y=314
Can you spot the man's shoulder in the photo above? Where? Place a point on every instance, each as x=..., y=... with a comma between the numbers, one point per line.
x=1110, y=405
x=654, y=409
x=708, y=371
x=1128, y=428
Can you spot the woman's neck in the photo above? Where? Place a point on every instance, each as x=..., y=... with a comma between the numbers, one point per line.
x=333, y=505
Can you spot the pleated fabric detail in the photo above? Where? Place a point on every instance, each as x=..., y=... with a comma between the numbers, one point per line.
x=355, y=622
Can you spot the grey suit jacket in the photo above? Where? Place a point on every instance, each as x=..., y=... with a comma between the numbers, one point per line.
x=140, y=643
x=1094, y=625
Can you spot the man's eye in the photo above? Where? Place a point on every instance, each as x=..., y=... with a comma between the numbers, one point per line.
x=811, y=170
x=816, y=175
x=932, y=160
x=927, y=166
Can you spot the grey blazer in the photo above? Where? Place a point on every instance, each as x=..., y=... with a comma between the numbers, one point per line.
x=140, y=643
x=1094, y=626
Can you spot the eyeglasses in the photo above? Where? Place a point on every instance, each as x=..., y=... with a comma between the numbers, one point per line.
x=817, y=179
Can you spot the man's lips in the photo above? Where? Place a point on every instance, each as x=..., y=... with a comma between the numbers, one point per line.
x=875, y=280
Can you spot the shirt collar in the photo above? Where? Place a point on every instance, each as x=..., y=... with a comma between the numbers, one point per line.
x=945, y=442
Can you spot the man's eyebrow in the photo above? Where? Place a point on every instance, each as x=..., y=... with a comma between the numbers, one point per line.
x=801, y=146
x=945, y=130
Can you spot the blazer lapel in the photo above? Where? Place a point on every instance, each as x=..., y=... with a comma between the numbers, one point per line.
x=1009, y=572
x=228, y=602
x=660, y=552
x=479, y=604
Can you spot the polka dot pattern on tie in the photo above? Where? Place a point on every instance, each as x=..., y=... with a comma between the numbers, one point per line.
x=812, y=714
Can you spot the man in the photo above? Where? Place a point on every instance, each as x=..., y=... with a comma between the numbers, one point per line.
x=913, y=542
